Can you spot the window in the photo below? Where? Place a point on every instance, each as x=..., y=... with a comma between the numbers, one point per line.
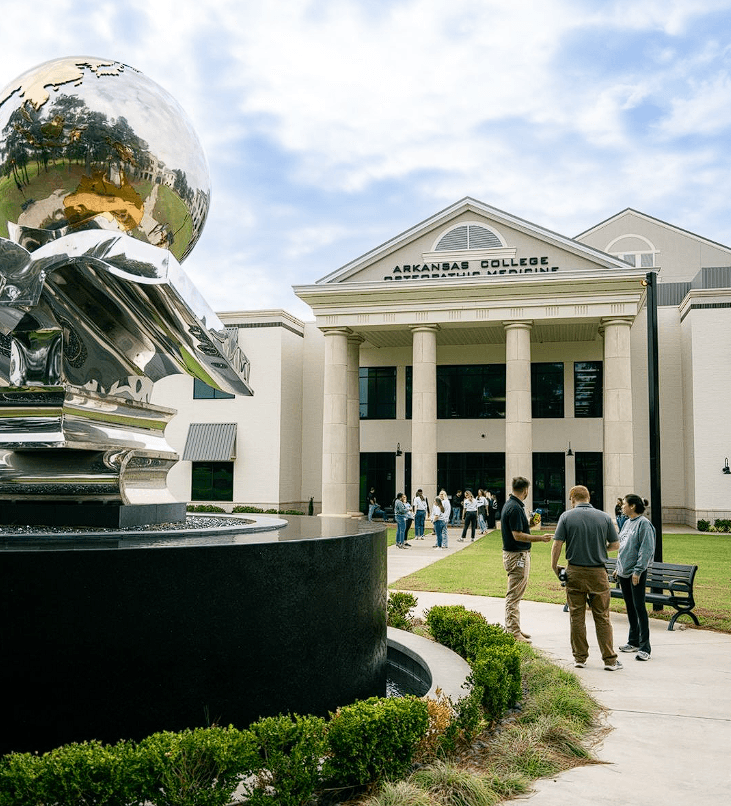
x=588, y=388
x=202, y=391
x=212, y=481
x=645, y=260
x=471, y=391
x=547, y=389
x=409, y=390
x=590, y=473
x=377, y=393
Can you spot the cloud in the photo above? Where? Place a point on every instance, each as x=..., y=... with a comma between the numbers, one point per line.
x=332, y=125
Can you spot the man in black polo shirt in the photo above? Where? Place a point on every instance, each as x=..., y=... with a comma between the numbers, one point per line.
x=516, y=554
x=587, y=534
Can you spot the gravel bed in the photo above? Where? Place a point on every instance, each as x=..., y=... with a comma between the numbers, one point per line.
x=192, y=522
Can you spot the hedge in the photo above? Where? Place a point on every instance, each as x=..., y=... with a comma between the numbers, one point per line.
x=488, y=648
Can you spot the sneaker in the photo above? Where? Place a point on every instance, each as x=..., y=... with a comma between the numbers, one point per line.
x=628, y=648
x=460, y=540
x=407, y=544
x=613, y=667
x=580, y=664
x=642, y=656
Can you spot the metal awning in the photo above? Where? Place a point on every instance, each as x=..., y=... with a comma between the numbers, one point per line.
x=210, y=442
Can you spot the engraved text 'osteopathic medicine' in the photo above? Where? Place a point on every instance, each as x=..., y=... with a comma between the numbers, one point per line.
x=465, y=268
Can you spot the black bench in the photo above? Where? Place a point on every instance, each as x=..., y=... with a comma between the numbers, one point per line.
x=667, y=584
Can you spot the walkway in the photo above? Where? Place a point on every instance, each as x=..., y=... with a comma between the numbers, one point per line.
x=671, y=717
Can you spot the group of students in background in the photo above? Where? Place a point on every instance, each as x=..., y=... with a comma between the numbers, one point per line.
x=480, y=511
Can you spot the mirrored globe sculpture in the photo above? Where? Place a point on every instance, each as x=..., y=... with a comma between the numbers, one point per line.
x=104, y=190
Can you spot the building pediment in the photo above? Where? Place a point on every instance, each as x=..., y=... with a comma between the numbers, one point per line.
x=472, y=239
x=468, y=270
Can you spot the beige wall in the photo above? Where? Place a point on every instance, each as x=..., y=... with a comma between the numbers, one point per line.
x=681, y=254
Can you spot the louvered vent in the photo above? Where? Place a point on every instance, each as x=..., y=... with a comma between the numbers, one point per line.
x=469, y=236
x=454, y=239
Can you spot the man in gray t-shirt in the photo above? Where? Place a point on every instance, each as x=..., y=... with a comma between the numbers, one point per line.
x=587, y=535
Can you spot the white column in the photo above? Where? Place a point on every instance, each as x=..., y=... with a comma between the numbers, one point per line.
x=619, y=475
x=424, y=410
x=335, y=423
x=518, y=411
x=353, y=443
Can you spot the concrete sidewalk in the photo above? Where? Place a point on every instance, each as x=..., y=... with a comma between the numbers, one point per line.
x=670, y=718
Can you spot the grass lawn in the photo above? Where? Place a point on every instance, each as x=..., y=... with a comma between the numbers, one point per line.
x=478, y=570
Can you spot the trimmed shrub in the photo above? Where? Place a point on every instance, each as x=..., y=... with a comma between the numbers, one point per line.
x=703, y=525
x=204, y=508
x=496, y=670
x=398, y=610
x=86, y=772
x=290, y=749
x=21, y=780
x=374, y=739
x=198, y=767
x=488, y=648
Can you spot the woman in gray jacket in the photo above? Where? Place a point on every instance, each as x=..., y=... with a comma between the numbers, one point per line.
x=636, y=551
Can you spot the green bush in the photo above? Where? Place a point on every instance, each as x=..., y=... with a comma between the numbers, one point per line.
x=722, y=524
x=290, y=750
x=465, y=631
x=374, y=739
x=21, y=780
x=198, y=767
x=242, y=508
x=703, y=525
x=488, y=648
x=398, y=610
x=496, y=670
x=86, y=773
x=204, y=508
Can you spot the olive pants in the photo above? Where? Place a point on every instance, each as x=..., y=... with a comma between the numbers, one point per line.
x=592, y=585
x=517, y=565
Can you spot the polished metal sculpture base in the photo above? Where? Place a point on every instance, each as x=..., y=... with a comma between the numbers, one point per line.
x=52, y=470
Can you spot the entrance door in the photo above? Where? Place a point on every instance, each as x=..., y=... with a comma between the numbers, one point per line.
x=549, y=484
x=590, y=473
x=377, y=470
x=472, y=471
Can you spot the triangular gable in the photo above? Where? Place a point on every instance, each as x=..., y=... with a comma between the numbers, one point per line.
x=678, y=254
x=518, y=247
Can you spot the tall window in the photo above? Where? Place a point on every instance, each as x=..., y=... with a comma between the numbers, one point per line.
x=202, y=391
x=212, y=481
x=377, y=393
x=588, y=388
x=471, y=391
x=409, y=390
x=547, y=389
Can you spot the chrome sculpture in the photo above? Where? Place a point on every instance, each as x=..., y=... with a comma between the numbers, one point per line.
x=104, y=189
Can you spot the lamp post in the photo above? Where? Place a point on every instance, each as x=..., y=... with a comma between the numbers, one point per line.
x=653, y=390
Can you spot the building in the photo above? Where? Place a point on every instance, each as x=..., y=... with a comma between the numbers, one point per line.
x=474, y=347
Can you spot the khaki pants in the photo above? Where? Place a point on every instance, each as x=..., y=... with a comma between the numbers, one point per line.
x=593, y=582
x=517, y=565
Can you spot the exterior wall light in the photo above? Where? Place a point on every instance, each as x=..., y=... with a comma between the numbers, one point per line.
x=726, y=469
x=399, y=452
x=569, y=452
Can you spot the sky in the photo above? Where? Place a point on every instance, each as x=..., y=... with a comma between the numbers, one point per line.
x=331, y=126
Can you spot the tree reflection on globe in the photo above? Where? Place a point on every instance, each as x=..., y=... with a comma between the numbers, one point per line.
x=90, y=143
